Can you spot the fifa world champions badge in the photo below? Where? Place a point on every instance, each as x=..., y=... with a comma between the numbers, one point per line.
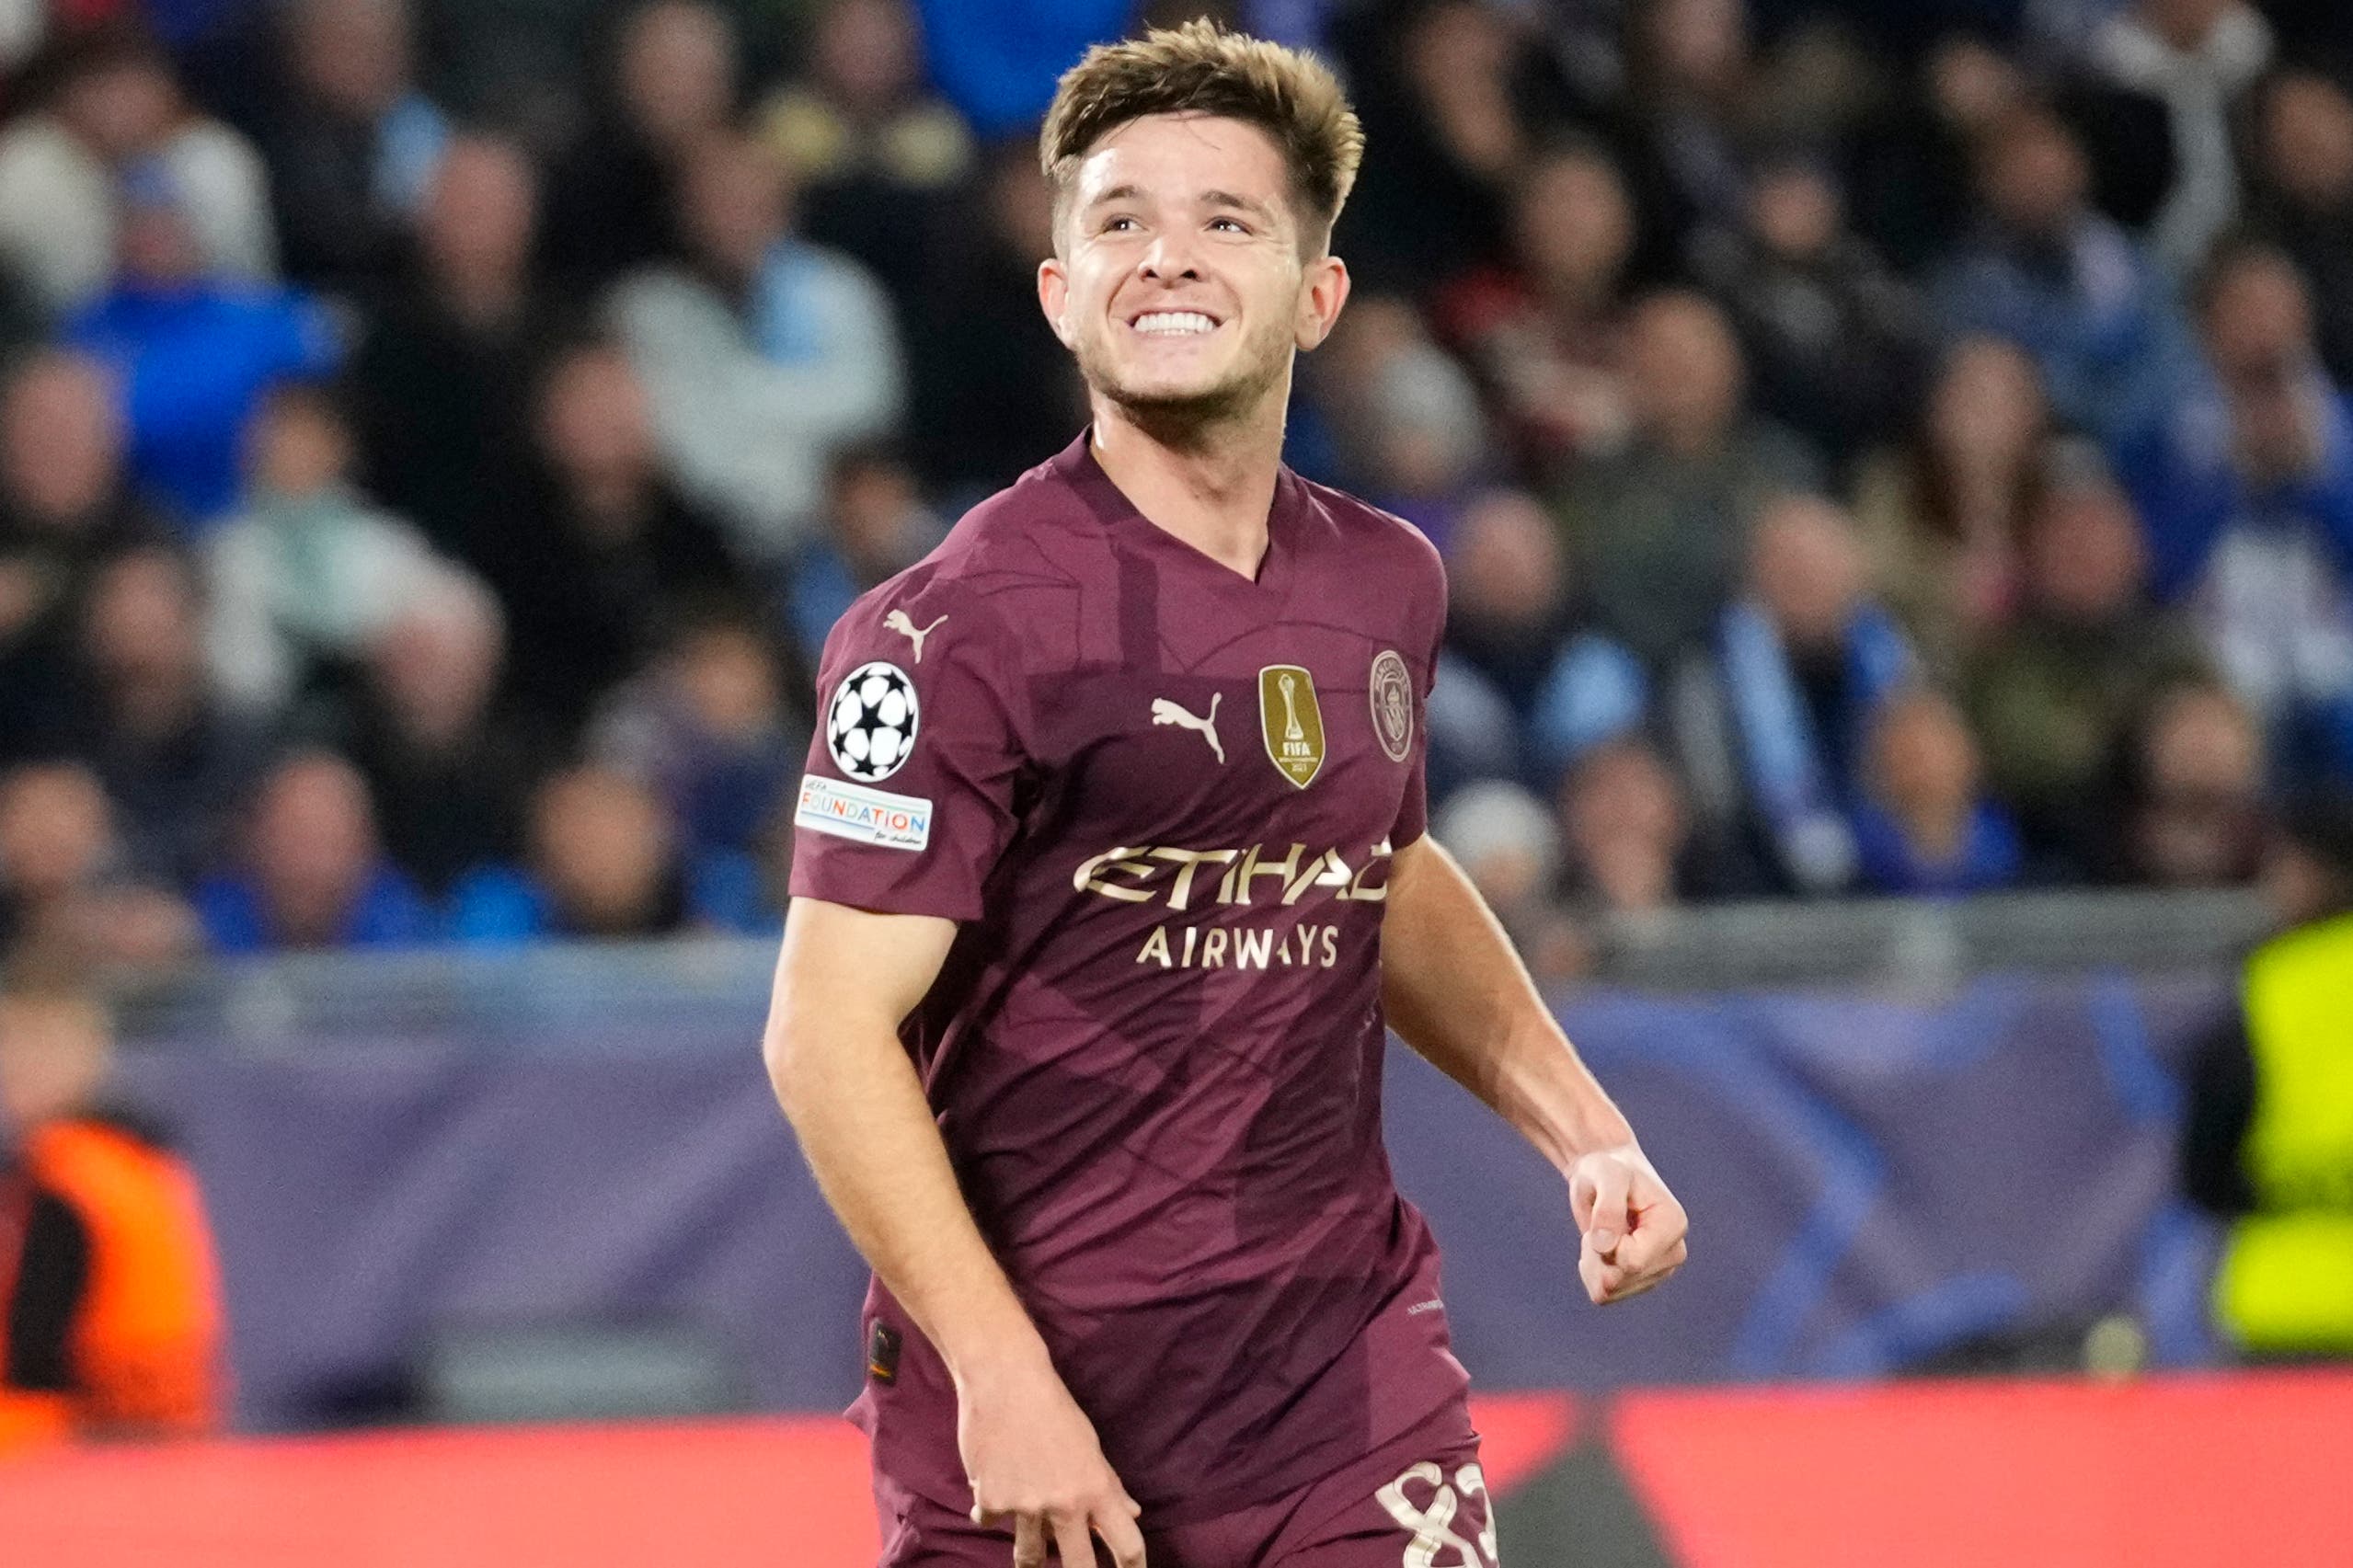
x=1291, y=721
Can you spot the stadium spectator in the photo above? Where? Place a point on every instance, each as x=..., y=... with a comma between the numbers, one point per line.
x=2055, y=694
x=604, y=862
x=1913, y=183
x=2195, y=816
x=303, y=580
x=1628, y=829
x=876, y=527
x=1835, y=338
x=1698, y=97
x=194, y=349
x=1509, y=610
x=613, y=201
x=1804, y=659
x=608, y=558
x=1417, y=439
x=62, y=506
x=993, y=382
x=1544, y=332
x=1326, y=424
x=2181, y=69
x=442, y=381
x=873, y=151
x=1450, y=91
x=63, y=490
x=1509, y=846
x=1660, y=529
x=1922, y=826
x=2248, y=492
x=176, y=763
x=706, y=727
x=2064, y=283
x=1518, y=648
x=763, y=357
x=112, y=102
x=448, y=778
x=1942, y=515
x=108, y=1281
x=66, y=890
x=351, y=140
x=2303, y=199
x=309, y=873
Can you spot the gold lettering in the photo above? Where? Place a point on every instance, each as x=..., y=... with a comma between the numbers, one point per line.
x=1213, y=950
x=1331, y=943
x=1132, y=874
x=1090, y=877
x=1327, y=871
x=1190, y=933
x=1187, y=862
x=1250, y=871
x=1252, y=948
x=1156, y=946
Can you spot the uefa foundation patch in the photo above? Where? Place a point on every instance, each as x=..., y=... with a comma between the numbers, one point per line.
x=868, y=816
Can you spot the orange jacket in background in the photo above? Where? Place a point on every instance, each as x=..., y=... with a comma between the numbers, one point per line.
x=110, y=1318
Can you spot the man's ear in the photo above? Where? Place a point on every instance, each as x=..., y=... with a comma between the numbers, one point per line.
x=1323, y=292
x=1054, y=296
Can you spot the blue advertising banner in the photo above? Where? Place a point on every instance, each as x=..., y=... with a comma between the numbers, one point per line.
x=1874, y=1183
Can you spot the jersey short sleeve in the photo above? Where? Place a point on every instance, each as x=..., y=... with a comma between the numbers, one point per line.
x=1413, y=810
x=907, y=803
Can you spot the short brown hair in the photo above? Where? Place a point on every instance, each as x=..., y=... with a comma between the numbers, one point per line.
x=1202, y=68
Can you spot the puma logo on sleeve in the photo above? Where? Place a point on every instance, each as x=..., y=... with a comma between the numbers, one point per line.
x=897, y=622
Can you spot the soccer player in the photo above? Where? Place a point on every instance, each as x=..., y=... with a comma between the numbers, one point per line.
x=1110, y=875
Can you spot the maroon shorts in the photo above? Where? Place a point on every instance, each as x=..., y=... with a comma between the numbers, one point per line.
x=1420, y=1502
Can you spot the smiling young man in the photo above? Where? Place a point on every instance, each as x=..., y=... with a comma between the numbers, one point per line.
x=1110, y=874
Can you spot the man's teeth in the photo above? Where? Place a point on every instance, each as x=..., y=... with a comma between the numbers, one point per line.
x=1175, y=322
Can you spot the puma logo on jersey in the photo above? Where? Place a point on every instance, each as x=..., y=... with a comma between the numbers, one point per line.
x=1165, y=712
x=897, y=622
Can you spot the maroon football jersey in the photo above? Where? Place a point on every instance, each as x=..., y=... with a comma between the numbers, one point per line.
x=1162, y=800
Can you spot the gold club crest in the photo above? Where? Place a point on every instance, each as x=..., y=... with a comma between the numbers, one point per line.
x=1291, y=722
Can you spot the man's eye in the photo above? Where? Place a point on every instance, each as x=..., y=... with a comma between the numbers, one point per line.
x=1112, y=225
x=1235, y=224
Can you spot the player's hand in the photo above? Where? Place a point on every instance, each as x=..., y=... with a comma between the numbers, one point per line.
x=1633, y=1227
x=1038, y=1469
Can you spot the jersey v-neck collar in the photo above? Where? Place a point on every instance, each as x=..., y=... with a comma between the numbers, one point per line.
x=1084, y=475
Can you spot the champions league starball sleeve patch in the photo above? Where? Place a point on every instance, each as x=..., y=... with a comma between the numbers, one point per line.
x=871, y=724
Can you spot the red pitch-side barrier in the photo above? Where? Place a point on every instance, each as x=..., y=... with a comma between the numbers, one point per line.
x=777, y=1492
x=2177, y=1472
x=2191, y=1471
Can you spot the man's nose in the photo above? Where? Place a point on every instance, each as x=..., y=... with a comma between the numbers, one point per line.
x=1170, y=258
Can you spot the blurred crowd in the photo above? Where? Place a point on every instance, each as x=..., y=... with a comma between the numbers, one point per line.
x=1877, y=447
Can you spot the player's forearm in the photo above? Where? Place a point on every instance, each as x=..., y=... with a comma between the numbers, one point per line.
x=853, y=1100
x=1457, y=993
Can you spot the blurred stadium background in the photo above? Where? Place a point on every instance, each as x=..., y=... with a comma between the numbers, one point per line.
x=1897, y=490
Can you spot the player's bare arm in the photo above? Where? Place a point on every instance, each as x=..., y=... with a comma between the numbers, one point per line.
x=845, y=978
x=1457, y=993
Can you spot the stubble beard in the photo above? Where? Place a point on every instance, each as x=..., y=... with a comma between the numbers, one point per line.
x=1180, y=418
